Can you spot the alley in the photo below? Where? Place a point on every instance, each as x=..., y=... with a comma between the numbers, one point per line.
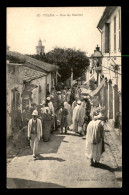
x=70, y=79
x=63, y=165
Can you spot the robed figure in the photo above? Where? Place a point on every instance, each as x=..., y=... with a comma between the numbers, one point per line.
x=94, y=140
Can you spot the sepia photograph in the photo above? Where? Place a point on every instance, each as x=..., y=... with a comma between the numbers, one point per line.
x=63, y=97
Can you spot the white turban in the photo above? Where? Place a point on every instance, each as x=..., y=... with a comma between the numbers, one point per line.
x=78, y=102
x=35, y=112
x=48, y=98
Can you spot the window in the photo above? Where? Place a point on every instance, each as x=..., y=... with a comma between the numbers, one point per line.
x=103, y=41
x=115, y=34
x=15, y=99
x=119, y=30
x=107, y=37
x=47, y=90
x=39, y=93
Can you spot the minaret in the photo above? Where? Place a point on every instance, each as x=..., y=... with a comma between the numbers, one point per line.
x=40, y=48
x=7, y=48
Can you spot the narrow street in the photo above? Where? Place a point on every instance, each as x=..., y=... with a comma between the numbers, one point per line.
x=63, y=165
x=67, y=79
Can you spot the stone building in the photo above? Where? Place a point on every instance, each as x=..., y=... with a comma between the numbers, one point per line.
x=104, y=72
x=110, y=29
x=14, y=88
x=27, y=82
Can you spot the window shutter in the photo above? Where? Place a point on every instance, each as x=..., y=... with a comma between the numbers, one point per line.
x=107, y=38
x=103, y=41
x=114, y=33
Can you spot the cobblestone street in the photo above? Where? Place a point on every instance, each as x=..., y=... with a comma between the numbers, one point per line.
x=63, y=165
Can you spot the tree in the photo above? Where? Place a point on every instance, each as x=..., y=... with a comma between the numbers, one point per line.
x=68, y=59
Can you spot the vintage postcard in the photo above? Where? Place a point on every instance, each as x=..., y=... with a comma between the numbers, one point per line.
x=63, y=92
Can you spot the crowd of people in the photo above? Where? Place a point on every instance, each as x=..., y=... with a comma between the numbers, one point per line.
x=68, y=110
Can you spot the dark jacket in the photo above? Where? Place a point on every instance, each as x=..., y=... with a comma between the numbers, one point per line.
x=63, y=119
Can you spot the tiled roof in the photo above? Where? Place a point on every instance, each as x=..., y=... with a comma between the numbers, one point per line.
x=32, y=74
x=26, y=59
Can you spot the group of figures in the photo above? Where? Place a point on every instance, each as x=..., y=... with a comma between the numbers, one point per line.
x=67, y=110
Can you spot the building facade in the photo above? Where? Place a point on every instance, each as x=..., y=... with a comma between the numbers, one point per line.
x=110, y=29
x=27, y=81
x=104, y=73
x=14, y=88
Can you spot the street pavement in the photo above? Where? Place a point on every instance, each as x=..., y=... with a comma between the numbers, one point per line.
x=63, y=164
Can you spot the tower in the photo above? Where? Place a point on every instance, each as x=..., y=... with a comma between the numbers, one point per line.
x=40, y=48
x=7, y=48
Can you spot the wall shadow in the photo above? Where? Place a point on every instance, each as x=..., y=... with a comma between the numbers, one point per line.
x=46, y=147
x=13, y=183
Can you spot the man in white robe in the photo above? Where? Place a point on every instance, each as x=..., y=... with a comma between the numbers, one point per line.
x=76, y=116
x=51, y=107
x=94, y=139
x=68, y=95
x=35, y=133
x=74, y=104
x=69, y=116
x=81, y=118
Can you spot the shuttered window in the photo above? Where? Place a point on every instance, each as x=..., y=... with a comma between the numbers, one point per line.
x=115, y=34
x=107, y=38
x=103, y=41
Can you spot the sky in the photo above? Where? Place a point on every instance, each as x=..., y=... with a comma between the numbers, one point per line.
x=65, y=27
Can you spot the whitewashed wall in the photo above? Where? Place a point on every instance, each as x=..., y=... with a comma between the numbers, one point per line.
x=35, y=93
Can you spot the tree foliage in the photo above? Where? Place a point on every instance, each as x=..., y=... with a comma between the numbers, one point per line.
x=67, y=59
